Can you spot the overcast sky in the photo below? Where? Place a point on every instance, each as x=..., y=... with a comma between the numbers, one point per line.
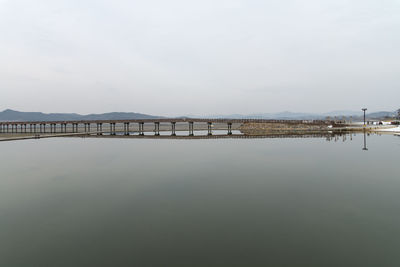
x=174, y=57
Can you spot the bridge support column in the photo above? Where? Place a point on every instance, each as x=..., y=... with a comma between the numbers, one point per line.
x=126, y=128
x=24, y=127
x=157, y=128
x=173, y=124
x=75, y=127
x=112, y=128
x=141, y=128
x=229, y=128
x=99, y=128
x=209, y=124
x=191, y=128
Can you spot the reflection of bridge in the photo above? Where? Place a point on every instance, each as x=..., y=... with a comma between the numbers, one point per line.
x=218, y=136
x=329, y=136
x=73, y=126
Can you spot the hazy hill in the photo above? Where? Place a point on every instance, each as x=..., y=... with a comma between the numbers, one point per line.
x=12, y=115
x=287, y=115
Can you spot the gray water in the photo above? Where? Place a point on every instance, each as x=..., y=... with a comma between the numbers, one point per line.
x=224, y=202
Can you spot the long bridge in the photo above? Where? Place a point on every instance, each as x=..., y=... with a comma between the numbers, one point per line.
x=72, y=126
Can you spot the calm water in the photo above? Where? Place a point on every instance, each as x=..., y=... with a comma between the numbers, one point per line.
x=225, y=202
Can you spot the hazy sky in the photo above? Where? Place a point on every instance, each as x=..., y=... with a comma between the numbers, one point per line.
x=171, y=57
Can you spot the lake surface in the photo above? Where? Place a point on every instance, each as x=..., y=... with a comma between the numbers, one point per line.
x=218, y=202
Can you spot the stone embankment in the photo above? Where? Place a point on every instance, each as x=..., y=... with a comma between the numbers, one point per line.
x=289, y=128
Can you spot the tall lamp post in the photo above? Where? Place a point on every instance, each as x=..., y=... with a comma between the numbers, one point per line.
x=364, y=109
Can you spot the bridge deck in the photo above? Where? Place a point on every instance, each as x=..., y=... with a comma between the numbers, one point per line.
x=204, y=120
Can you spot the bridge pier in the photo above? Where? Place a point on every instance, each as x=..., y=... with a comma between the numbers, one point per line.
x=141, y=128
x=157, y=128
x=99, y=128
x=126, y=128
x=229, y=128
x=191, y=128
x=112, y=128
x=173, y=124
x=75, y=127
x=209, y=124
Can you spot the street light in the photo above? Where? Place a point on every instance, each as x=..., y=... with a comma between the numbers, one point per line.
x=364, y=109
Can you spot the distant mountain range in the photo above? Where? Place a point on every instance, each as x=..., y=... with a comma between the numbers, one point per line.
x=12, y=115
x=287, y=115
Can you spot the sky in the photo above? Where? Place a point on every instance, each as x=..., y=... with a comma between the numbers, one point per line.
x=182, y=57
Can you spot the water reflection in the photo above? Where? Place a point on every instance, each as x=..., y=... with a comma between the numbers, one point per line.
x=329, y=136
x=268, y=201
x=365, y=140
